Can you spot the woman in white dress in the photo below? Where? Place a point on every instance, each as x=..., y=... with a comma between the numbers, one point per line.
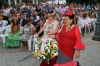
x=28, y=31
x=51, y=28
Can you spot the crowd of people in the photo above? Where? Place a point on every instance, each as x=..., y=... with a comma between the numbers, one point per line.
x=54, y=20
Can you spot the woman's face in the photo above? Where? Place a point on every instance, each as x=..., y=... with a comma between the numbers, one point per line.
x=81, y=15
x=28, y=23
x=50, y=17
x=67, y=21
x=15, y=20
x=41, y=22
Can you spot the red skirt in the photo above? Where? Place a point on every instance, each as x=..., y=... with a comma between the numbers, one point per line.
x=51, y=62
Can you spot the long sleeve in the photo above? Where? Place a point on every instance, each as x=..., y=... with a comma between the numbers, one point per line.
x=79, y=45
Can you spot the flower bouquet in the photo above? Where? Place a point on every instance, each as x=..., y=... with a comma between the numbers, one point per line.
x=46, y=49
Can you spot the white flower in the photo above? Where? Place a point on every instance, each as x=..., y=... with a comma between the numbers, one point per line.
x=47, y=59
x=55, y=53
x=36, y=48
x=48, y=44
x=52, y=51
x=44, y=57
x=54, y=45
x=35, y=51
x=38, y=58
x=46, y=47
x=48, y=50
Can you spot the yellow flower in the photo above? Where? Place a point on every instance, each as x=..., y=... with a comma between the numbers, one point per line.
x=52, y=40
x=51, y=47
x=39, y=51
x=39, y=41
x=35, y=55
x=46, y=54
x=57, y=45
x=52, y=55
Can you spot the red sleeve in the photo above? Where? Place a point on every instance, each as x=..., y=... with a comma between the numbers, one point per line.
x=79, y=45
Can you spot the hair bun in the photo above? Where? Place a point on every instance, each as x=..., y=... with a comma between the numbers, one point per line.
x=73, y=15
x=68, y=13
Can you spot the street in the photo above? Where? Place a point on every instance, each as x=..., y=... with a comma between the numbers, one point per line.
x=16, y=57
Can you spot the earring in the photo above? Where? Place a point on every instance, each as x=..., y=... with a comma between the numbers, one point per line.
x=71, y=24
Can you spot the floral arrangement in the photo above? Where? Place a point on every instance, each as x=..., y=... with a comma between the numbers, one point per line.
x=45, y=49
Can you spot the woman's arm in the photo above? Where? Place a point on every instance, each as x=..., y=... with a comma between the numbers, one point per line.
x=79, y=45
x=12, y=29
x=33, y=30
x=78, y=37
x=41, y=30
x=23, y=30
x=77, y=53
x=18, y=28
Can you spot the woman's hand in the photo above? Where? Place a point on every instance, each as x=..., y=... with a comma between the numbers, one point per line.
x=48, y=34
x=36, y=35
x=27, y=35
x=77, y=54
x=22, y=34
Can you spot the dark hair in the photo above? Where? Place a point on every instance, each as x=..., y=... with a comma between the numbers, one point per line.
x=16, y=22
x=37, y=21
x=71, y=17
x=42, y=19
x=28, y=20
x=84, y=15
x=21, y=14
x=50, y=14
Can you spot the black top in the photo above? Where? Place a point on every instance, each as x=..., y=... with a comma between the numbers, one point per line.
x=23, y=22
x=38, y=29
x=38, y=10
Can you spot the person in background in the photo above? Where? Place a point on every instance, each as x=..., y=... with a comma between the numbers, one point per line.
x=88, y=8
x=29, y=12
x=6, y=13
x=75, y=20
x=40, y=24
x=62, y=9
x=39, y=11
x=1, y=16
x=88, y=22
x=84, y=22
x=69, y=41
x=22, y=20
x=57, y=9
x=28, y=31
x=36, y=18
x=14, y=35
x=47, y=7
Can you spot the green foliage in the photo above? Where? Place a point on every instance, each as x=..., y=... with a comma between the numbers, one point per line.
x=3, y=2
x=83, y=1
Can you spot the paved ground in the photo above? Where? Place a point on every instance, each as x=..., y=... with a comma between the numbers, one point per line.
x=16, y=57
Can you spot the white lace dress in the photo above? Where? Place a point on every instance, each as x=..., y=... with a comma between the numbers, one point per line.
x=48, y=28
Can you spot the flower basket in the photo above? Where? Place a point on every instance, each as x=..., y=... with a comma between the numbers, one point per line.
x=45, y=49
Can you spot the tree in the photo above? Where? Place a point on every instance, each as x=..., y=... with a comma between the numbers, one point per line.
x=3, y=2
x=83, y=1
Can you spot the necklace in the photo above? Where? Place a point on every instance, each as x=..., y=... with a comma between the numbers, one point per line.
x=62, y=35
x=68, y=29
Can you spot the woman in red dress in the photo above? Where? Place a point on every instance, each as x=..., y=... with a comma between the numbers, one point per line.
x=69, y=41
